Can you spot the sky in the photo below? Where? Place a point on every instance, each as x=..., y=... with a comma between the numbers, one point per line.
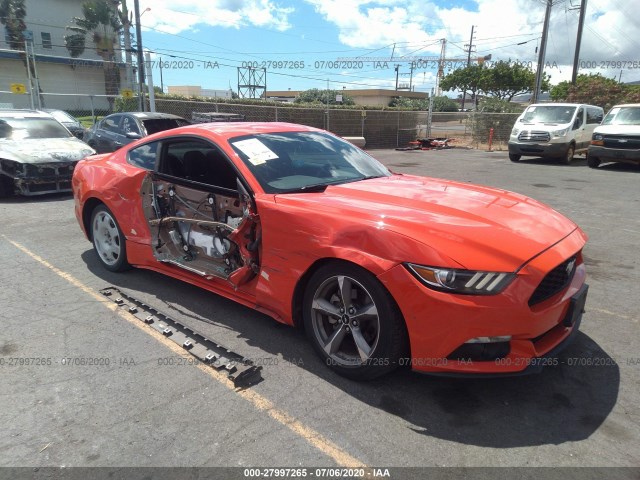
x=323, y=43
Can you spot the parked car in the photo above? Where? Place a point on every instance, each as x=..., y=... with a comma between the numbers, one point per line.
x=69, y=121
x=37, y=153
x=554, y=130
x=381, y=269
x=118, y=129
x=618, y=138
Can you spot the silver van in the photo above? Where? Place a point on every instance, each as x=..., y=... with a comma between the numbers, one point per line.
x=554, y=130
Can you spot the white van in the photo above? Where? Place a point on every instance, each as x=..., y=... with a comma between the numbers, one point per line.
x=554, y=130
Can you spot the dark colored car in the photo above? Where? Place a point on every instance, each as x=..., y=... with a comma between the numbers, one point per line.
x=69, y=121
x=118, y=129
x=37, y=153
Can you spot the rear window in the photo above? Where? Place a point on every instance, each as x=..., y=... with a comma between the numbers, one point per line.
x=155, y=125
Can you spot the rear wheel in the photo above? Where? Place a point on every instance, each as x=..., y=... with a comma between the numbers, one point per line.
x=514, y=157
x=108, y=240
x=592, y=161
x=352, y=322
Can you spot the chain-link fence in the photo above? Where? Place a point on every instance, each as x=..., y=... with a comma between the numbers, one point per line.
x=380, y=128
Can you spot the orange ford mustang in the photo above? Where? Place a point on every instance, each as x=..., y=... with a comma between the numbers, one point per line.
x=381, y=269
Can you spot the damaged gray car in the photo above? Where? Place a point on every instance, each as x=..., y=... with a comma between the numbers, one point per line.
x=37, y=154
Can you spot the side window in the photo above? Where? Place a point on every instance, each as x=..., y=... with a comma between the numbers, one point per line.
x=579, y=118
x=197, y=161
x=111, y=123
x=129, y=125
x=594, y=115
x=144, y=156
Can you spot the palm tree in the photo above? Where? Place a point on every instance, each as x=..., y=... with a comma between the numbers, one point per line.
x=12, y=15
x=101, y=22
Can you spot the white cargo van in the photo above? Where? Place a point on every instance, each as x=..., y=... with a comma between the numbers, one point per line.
x=554, y=130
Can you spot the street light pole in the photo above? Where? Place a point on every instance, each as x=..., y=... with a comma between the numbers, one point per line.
x=576, y=57
x=136, y=8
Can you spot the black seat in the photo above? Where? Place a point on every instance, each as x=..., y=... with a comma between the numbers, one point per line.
x=173, y=166
x=196, y=166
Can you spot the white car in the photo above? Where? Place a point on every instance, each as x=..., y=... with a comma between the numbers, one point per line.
x=618, y=138
x=554, y=130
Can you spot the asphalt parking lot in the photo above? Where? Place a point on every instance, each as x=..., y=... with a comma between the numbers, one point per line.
x=143, y=402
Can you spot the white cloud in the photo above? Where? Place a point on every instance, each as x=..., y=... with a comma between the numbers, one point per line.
x=612, y=30
x=171, y=17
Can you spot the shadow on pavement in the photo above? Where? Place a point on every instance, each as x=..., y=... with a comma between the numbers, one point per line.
x=566, y=403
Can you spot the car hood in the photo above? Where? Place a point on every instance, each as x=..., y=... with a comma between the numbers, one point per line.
x=478, y=227
x=45, y=150
x=618, y=130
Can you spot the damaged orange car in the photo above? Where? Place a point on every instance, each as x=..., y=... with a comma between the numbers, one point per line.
x=381, y=269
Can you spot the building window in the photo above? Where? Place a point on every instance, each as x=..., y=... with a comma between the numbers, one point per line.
x=46, y=39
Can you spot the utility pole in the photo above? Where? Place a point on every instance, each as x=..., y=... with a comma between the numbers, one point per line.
x=464, y=94
x=541, y=55
x=136, y=9
x=397, y=68
x=576, y=58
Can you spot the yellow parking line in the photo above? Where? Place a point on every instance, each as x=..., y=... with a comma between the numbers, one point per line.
x=315, y=438
x=613, y=314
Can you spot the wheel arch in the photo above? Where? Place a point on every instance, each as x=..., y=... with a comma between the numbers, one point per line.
x=87, y=210
x=301, y=284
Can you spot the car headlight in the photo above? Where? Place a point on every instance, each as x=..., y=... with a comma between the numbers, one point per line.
x=515, y=132
x=597, y=139
x=559, y=133
x=468, y=282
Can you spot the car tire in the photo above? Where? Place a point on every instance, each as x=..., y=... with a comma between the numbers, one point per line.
x=362, y=337
x=6, y=187
x=568, y=156
x=592, y=161
x=108, y=240
x=514, y=157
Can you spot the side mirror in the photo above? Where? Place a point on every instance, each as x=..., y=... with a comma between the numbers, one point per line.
x=133, y=135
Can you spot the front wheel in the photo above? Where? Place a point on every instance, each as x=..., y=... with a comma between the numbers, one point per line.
x=592, y=161
x=514, y=157
x=6, y=187
x=568, y=157
x=108, y=240
x=352, y=322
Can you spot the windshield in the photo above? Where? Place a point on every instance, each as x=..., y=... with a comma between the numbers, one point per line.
x=62, y=117
x=156, y=125
x=548, y=114
x=34, y=127
x=293, y=161
x=623, y=116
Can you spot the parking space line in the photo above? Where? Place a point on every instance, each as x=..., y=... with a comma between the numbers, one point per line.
x=313, y=437
x=613, y=314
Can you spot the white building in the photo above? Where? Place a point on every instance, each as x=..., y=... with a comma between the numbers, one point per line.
x=65, y=82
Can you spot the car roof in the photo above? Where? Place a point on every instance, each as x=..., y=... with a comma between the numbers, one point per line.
x=626, y=105
x=150, y=115
x=235, y=129
x=18, y=113
x=553, y=104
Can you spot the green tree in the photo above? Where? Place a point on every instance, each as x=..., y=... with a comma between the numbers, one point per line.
x=444, y=104
x=12, y=14
x=101, y=23
x=594, y=89
x=316, y=95
x=505, y=80
x=467, y=80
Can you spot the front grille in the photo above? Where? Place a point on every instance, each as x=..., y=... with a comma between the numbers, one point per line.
x=533, y=136
x=555, y=281
x=49, y=170
x=622, y=142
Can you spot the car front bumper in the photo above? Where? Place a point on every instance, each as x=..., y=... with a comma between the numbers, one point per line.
x=440, y=324
x=40, y=179
x=606, y=154
x=549, y=150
